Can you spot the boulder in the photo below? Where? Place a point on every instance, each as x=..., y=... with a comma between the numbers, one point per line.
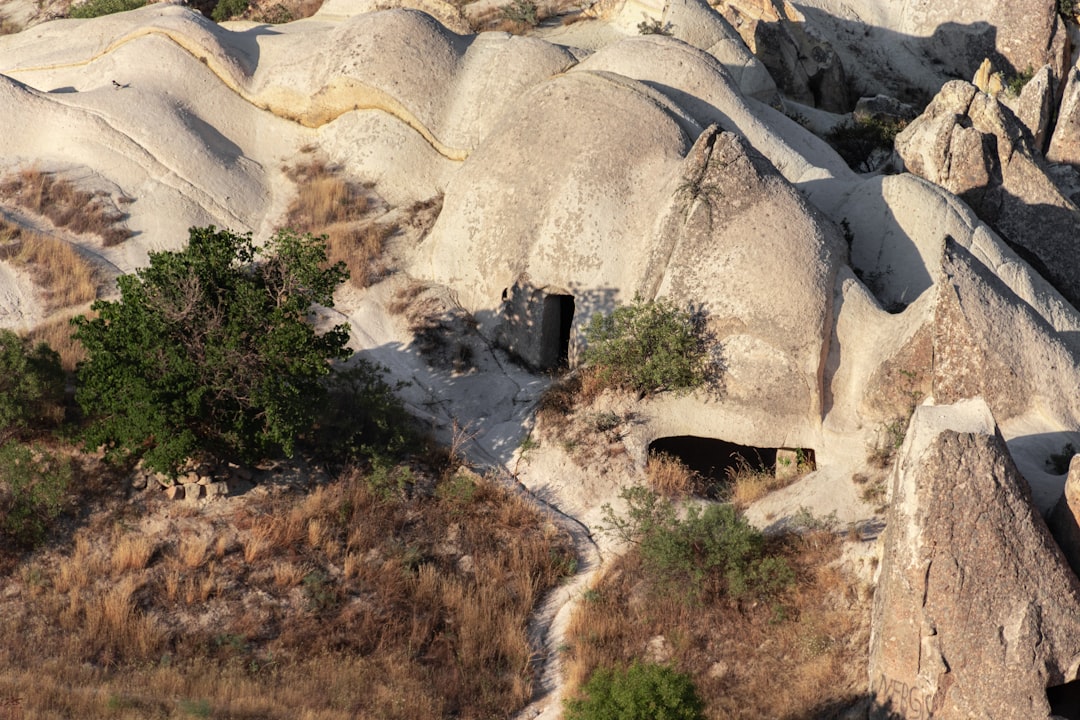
x=1064, y=519
x=804, y=66
x=1035, y=107
x=1065, y=143
x=976, y=612
x=882, y=108
x=971, y=145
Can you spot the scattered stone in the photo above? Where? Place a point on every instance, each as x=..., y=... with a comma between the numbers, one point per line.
x=175, y=492
x=219, y=488
x=658, y=650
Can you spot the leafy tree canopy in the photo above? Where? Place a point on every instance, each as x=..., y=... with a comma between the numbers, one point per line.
x=213, y=348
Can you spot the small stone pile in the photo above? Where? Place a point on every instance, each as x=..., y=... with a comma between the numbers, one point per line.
x=197, y=480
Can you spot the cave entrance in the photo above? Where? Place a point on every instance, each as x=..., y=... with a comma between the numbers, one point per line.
x=1065, y=700
x=556, y=324
x=711, y=458
x=718, y=460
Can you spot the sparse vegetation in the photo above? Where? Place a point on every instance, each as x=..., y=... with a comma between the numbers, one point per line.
x=706, y=552
x=656, y=26
x=650, y=346
x=228, y=9
x=670, y=477
x=33, y=486
x=211, y=348
x=813, y=633
x=31, y=386
x=342, y=210
x=410, y=606
x=1067, y=8
x=97, y=8
x=643, y=691
x=1016, y=83
x=65, y=205
x=524, y=12
x=65, y=277
x=858, y=142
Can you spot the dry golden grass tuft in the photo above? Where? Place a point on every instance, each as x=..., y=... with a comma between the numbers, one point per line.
x=747, y=484
x=670, y=477
x=66, y=278
x=56, y=333
x=366, y=597
x=65, y=205
x=194, y=549
x=815, y=637
x=132, y=552
x=328, y=204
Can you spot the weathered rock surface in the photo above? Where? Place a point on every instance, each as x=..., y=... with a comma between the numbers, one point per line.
x=804, y=66
x=974, y=147
x=1064, y=519
x=976, y=612
x=1014, y=35
x=1065, y=143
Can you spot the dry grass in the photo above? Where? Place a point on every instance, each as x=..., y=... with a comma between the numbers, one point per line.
x=56, y=333
x=747, y=484
x=66, y=278
x=352, y=601
x=9, y=26
x=328, y=204
x=132, y=552
x=670, y=477
x=65, y=205
x=815, y=638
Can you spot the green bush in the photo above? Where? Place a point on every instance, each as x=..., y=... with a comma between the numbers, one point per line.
x=648, y=347
x=31, y=385
x=521, y=11
x=857, y=142
x=97, y=8
x=643, y=691
x=714, y=549
x=211, y=348
x=33, y=487
x=226, y=9
x=361, y=417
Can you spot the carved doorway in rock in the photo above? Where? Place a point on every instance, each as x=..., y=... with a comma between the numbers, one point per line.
x=556, y=324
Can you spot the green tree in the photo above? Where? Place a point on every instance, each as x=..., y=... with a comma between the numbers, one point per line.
x=649, y=346
x=643, y=691
x=212, y=348
x=31, y=385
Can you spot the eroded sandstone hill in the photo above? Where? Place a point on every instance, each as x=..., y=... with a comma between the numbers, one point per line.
x=583, y=165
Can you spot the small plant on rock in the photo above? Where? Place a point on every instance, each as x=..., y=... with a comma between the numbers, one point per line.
x=521, y=11
x=650, y=346
x=656, y=26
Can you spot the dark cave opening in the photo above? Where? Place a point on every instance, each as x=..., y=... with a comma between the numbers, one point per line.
x=711, y=458
x=1065, y=700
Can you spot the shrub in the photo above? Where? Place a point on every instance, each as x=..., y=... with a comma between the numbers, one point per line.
x=31, y=385
x=714, y=548
x=860, y=141
x=1016, y=83
x=656, y=26
x=211, y=348
x=648, y=347
x=643, y=691
x=521, y=11
x=97, y=8
x=226, y=9
x=36, y=483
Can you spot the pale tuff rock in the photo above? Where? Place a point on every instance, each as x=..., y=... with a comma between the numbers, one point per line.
x=973, y=146
x=804, y=66
x=1064, y=519
x=976, y=612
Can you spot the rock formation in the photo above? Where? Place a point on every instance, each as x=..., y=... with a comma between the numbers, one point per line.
x=976, y=612
x=971, y=145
